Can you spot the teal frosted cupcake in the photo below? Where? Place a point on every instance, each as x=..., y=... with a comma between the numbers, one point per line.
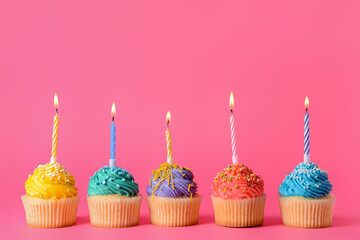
x=305, y=199
x=113, y=198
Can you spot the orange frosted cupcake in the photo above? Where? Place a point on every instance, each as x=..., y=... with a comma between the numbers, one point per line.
x=51, y=199
x=238, y=197
x=172, y=196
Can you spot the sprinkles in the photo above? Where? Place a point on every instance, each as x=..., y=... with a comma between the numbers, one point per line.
x=166, y=173
x=42, y=183
x=237, y=181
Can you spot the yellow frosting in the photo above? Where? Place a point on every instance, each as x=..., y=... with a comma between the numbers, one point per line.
x=50, y=181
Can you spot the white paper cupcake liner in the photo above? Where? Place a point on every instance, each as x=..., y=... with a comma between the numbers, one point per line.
x=307, y=212
x=114, y=211
x=50, y=213
x=239, y=212
x=174, y=212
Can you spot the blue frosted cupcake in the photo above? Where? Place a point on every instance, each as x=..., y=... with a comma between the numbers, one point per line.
x=305, y=199
x=113, y=198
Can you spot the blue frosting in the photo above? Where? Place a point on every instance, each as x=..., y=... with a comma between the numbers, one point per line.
x=307, y=180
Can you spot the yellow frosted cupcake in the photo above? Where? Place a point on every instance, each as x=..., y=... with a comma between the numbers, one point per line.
x=51, y=199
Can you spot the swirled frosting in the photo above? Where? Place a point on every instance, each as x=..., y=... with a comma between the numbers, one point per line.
x=237, y=182
x=307, y=180
x=112, y=180
x=173, y=181
x=50, y=181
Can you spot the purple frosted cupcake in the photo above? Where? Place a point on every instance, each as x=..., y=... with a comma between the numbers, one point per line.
x=172, y=197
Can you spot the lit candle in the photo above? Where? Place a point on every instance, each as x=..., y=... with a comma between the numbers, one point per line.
x=112, y=161
x=55, y=131
x=235, y=158
x=170, y=159
x=306, y=133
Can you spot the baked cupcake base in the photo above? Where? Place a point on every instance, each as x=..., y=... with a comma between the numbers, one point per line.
x=174, y=212
x=239, y=212
x=50, y=213
x=114, y=211
x=307, y=212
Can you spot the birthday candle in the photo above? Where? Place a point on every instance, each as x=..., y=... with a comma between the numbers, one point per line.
x=170, y=159
x=112, y=162
x=235, y=158
x=306, y=133
x=55, y=131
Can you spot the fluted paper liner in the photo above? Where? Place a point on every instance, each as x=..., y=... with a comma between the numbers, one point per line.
x=114, y=211
x=307, y=212
x=50, y=213
x=174, y=212
x=239, y=212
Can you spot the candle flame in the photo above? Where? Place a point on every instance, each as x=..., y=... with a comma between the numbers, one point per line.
x=168, y=117
x=113, y=110
x=306, y=102
x=56, y=101
x=231, y=101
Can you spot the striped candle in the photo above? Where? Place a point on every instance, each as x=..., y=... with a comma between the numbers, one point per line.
x=306, y=133
x=235, y=158
x=170, y=159
x=55, y=131
x=232, y=131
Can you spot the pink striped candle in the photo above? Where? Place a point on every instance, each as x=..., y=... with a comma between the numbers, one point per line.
x=235, y=158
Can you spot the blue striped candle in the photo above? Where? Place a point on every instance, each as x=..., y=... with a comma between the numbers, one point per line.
x=306, y=133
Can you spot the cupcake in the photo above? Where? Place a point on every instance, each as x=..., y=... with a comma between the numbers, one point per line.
x=305, y=199
x=51, y=199
x=238, y=197
x=113, y=198
x=172, y=197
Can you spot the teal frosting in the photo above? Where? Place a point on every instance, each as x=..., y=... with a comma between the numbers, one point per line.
x=307, y=180
x=113, y=180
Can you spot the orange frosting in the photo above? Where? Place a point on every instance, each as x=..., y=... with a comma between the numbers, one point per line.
x=237, y=182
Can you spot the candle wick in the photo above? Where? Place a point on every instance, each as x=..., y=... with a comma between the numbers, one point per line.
x=167, y=123
x=306, y=110
x=56, y=110
x=231, y=111
x=113, y=118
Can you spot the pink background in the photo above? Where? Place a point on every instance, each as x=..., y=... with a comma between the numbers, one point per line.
x=183, y=56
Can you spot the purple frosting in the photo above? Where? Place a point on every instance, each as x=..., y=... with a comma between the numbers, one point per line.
x=182, y=178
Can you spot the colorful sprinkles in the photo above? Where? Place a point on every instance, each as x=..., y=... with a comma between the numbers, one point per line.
x=237, y=181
